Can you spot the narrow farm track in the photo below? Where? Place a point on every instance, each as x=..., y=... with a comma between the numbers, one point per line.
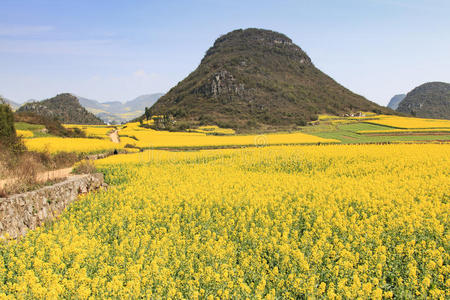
x=41, y=177
x=114, y=136
x=54, y=174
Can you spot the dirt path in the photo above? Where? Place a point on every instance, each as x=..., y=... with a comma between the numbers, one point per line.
x=55, y=174
x=41, y=177
x=114, y=136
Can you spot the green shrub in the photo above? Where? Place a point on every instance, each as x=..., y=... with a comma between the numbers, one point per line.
x=8, y=137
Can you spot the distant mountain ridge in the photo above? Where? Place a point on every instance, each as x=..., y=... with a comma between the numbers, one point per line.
x=63, y=107
x=429, y=100
x=258, y=78
x=109, y=112
x=118, y=112
x=11, y=103
x=395, y=101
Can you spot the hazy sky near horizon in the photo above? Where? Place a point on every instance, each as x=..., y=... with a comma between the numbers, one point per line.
x=118, y=50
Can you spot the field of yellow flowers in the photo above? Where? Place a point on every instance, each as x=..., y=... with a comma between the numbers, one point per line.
x=78, y=145
x=332, y=221
x=131, y=135
x=421, y=130
x=24, y=133
x=93, y=130
x=149, y=138
x=409, y=123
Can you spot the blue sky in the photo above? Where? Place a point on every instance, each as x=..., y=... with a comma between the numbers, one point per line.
x=118, y=50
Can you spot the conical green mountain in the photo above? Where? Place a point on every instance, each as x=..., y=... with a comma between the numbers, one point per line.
x=257, y=76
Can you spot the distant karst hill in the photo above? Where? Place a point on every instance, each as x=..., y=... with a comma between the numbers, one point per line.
x=395, y=101
x=118, y=112
x=257, y=77
x=429, y=100
x=11, y=103
x=64, y=107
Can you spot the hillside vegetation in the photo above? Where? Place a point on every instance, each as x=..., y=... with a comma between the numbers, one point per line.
x=51, y=126
x=429, y=100
x=253, y=78
x=64, y=107
x=9, y=141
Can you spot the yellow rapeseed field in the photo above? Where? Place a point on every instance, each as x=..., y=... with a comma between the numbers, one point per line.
x=24, y=133
x=79, y=145
x=93, y=130
x=134, y=135
x=410, y=123
x=406, y=130
x=148, y=138
x=287, y=222
x=212, y=129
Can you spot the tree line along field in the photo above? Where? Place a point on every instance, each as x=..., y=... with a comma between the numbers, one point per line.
x=331, y=221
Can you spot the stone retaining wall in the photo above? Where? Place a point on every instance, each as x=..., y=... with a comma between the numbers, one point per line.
x=22, y=212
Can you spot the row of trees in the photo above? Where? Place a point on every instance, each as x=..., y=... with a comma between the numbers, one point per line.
x=8, y=137
x=165, y=121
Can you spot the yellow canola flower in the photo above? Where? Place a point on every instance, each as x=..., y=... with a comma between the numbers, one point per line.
x=135, y=135
x=93, y=130
x=24, y=133
x=406, y=130
x=410, y=123
x=279, y=222
x=213, y=129
x=148, y=138
x=79, y=145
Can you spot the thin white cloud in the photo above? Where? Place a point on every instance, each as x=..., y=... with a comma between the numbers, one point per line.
x=20, y=30
x=142, y=74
